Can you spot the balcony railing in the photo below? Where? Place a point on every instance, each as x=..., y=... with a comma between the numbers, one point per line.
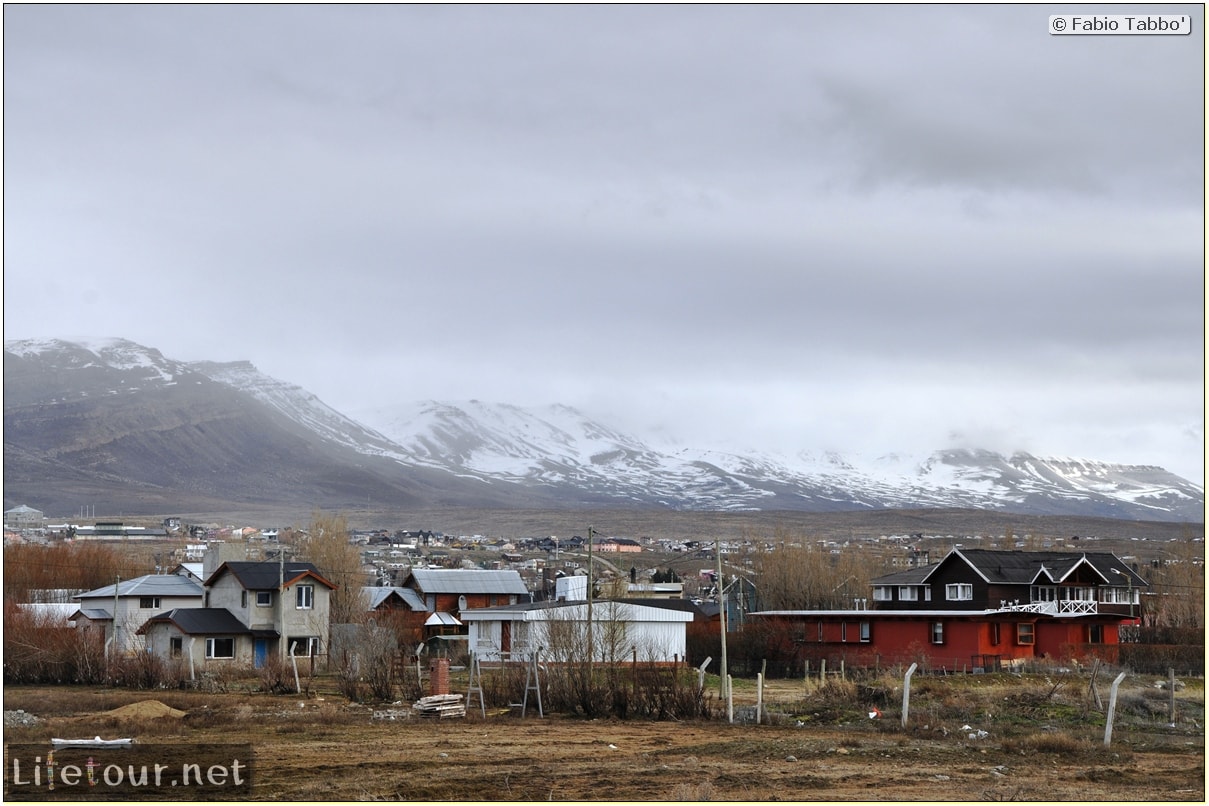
x=1065, y=607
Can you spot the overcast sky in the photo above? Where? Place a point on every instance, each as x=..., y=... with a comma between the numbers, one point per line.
x=838, y=227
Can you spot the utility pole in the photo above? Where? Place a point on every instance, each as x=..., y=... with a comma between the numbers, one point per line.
x=281, y=639
x=721, y=616
x=117, y=580
x=590, y=647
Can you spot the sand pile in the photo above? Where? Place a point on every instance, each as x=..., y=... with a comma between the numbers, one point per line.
x=146, y=709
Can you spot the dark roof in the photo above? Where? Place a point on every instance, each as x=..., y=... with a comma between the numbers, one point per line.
x=264, y=576
x=92, y=614
x=200, y=621
x=912, y=576
x=687, y=605
x=1023, y=567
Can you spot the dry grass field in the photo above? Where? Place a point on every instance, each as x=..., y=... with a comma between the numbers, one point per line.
x=986, y=738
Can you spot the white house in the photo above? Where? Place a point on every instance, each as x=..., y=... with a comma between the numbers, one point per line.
x=559, y=630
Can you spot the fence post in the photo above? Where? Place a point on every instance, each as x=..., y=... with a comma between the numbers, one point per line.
x=1171, y=701
x=1112, y=708
x=701, y=675
x=730, y=701
x=907, y=694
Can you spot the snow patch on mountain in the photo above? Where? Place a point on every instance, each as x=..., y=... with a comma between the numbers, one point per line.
x=559, y=450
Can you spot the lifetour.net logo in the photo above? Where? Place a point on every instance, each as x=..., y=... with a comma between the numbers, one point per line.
x=43, y=772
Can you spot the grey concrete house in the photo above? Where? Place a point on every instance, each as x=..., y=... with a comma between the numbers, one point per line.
x=251, y=611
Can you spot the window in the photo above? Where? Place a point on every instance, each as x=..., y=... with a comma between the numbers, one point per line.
x=843, y=631
x=1024, y=634
x=908, y=593
x=959, y=592
x=149, y=602
x=1118, y=596
x=1044, y=593
x=220, y=647
x=1095, y=633
x=866, y=632
x=243, y=598
x=304, y=647
x=264, y=598
x=938, y=632
x=928, y=594
x=305, y=596
x=994, y=633
x=175, y=644
x=881, y=593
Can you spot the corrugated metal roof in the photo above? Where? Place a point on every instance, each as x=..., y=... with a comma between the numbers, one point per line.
x=442, y=619
x=454, y=580
x=410, y=598
x=149, y=585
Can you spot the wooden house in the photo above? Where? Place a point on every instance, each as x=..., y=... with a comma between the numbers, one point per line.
x=976, y=609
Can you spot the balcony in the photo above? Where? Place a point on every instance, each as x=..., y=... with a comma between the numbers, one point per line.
x=1065, y=607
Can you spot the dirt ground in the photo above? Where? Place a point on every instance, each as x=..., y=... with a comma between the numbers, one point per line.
x=325, y=748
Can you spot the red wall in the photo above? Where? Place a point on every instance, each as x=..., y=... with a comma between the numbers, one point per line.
x=908, y=639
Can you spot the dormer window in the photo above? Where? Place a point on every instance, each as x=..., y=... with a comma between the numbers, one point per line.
x=959, y=592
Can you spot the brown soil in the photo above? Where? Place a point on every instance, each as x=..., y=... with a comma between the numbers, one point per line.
x=324, y=748
x=145, y=709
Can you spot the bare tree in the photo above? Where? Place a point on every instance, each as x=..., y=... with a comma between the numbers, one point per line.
x=1177, y=586
x=326, y=544
x=798, y=573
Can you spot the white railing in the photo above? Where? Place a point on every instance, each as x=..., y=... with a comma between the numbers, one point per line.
x=1066, y=607
x=1047, y=608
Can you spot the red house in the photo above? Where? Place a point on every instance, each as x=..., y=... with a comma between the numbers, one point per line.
x=976, y=609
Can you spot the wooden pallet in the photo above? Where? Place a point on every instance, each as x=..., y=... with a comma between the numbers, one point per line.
x=441, y=706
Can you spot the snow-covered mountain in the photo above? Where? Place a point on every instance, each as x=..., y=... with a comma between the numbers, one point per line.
x=60, y=404
x=558, y=446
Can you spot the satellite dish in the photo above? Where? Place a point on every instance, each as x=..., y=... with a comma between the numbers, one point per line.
x=461, y=603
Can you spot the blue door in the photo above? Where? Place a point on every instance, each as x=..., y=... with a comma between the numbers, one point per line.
x=260, y=649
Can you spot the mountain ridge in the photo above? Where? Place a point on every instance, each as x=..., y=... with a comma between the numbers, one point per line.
x=114, y=413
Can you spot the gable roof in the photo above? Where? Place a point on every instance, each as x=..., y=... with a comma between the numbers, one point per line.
x=92, y=614
x=377, y=596
x=264, y=576
x=456, y=580
x=148, y=585
x=201, y=621
x=1023, y=567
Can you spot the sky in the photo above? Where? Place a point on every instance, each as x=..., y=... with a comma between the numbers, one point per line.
x=785, y=227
